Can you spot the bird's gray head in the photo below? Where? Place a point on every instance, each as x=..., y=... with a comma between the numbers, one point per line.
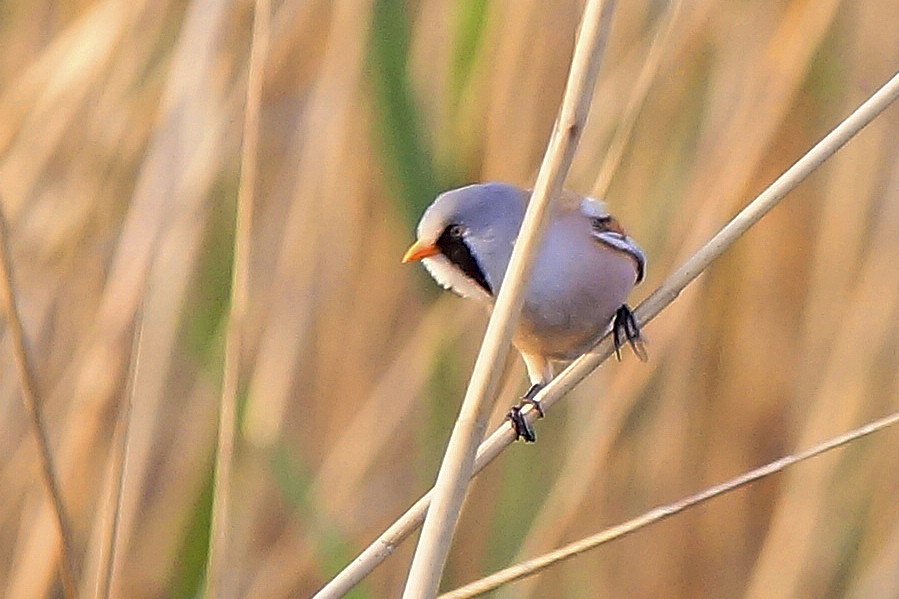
x=465, y=237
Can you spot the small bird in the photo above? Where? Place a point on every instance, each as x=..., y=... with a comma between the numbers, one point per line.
x=583, y=272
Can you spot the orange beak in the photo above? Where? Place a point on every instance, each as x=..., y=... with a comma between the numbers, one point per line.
x=420, y=250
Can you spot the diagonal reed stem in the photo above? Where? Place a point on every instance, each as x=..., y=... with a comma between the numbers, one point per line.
x=493, y=446
x=31, y=398
x=535, y=565
x=459, y=460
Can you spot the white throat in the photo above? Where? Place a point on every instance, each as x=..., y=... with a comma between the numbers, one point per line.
x=450, y=277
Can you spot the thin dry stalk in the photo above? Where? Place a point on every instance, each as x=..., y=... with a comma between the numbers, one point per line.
x=110, y=541
x=218, y=571
x=542, y=562
x=458, y=464
x=31, y=397
x=385, y=544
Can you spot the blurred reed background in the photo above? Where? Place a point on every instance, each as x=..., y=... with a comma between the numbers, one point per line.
x=120, y=127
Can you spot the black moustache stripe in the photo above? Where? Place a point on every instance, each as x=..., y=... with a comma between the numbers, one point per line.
x=457, y=252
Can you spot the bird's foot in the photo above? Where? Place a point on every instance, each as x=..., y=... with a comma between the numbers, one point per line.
x=523, y=428
x=626, y=330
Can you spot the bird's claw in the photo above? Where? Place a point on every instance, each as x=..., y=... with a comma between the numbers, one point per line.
x=626, y=330
x=523, y=429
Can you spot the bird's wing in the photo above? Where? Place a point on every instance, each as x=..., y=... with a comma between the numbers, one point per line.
x=607, y=230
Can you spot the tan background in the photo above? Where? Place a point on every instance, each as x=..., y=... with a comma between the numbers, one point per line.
x=120, y=127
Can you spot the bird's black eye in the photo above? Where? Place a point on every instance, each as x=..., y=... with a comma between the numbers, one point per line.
x=455, y=231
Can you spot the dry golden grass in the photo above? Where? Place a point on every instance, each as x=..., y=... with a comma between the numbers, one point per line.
x=120, y=140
